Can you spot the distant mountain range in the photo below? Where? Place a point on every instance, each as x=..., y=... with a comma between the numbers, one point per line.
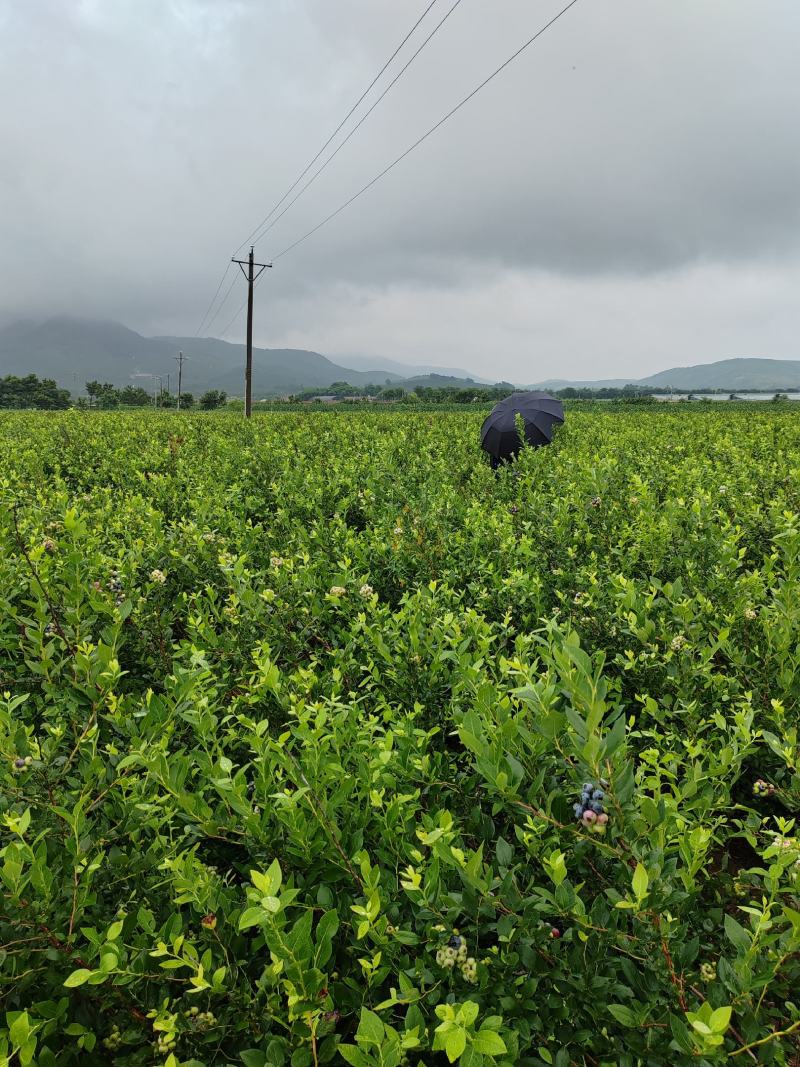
x=404, y=370
x=727, y=374
x=74, y=351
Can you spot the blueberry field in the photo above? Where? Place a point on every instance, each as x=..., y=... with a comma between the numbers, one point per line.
x=322, y=744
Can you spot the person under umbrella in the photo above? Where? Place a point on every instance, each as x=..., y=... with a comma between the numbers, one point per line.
x=500, y=436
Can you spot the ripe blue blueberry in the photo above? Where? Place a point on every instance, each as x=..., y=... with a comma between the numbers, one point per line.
x=596, y=807
x=598, y=794
x=578, y=809
x=588, y=787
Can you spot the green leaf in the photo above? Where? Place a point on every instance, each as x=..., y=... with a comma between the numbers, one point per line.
x=736, y=933
x=469, y=1012
x=615, y=737
x=115, y=930
x=489, y=1043
x=250, y=917
x=370, y=1027
x=268, y=883
x=353, y=1055
x=20, y=1029
x=454, y=1043
x=641, y=880
x=78, y=978
x=471, y=1057
x=504, y=852
x=26, y=1052
x=720, y=1019
x=623, y=1015
x=680, y=1033
x=253, y=1057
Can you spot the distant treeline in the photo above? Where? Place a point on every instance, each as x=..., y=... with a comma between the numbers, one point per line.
x=45, y=394
x=476, y=394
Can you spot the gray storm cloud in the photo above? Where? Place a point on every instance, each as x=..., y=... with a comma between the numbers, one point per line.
x=638, y=152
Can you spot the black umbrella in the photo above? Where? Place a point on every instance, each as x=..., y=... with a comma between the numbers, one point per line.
x=539, y=411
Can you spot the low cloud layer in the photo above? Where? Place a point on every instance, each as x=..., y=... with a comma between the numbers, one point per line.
x=625, y=197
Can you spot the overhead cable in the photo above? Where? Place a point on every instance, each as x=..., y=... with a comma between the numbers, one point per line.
x=425, y=136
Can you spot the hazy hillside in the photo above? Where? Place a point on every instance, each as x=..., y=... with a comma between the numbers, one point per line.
x=728, y=374
x=286, y=370
x=74, y=351
x=404, y=370
x=731, y=374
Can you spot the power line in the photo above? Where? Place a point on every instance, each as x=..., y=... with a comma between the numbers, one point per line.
x=211, y=304
x=222, y=304
x=238, y=312
x=302, y=175
x=261, y=233
x=425, y=136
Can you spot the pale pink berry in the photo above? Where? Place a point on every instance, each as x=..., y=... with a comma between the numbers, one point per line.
x=588, y=817
x=602, y=819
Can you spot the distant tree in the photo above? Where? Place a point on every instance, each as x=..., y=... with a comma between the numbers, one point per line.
x=394, y=393
x=32, y=392
x=214, y=398
x=187, y=400
x=102, y=394
x=134, y=396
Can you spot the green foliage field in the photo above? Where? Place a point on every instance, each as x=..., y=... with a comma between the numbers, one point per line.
x=294, y=713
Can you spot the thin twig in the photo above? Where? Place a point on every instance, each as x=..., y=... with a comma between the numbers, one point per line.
x=764, y=1040
x=676, y=980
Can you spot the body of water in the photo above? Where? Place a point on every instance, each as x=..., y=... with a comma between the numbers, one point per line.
x=722, y=396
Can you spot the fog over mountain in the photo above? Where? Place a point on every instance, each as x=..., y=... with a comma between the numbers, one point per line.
x=625, y=195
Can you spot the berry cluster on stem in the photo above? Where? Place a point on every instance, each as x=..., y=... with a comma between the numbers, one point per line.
x=454, y=954
x=589, y=809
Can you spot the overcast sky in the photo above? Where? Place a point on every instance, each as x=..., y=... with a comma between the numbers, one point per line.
x=623, y=198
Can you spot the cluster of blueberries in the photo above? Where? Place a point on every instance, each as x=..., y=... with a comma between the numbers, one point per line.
x=21, y=764
x=590, y=808
x=454, y=954
x=762, y=788
x=114, y=1039
x=165, y=1045
x=201, y=1020
x=115, y=585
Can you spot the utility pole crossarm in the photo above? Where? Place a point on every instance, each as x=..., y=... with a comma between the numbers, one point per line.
x=250, y=277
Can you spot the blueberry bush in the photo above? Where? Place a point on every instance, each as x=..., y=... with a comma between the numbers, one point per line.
x=321, y=743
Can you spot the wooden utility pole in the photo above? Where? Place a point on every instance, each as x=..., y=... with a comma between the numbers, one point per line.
x=248, y=367
x=181, y=360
